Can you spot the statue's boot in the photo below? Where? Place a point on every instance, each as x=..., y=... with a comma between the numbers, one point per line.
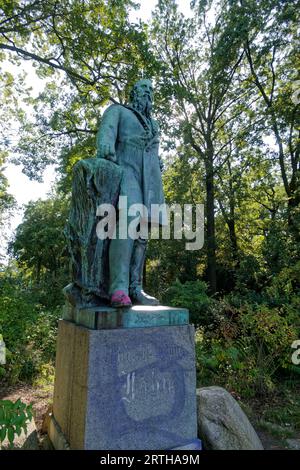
x=120, y=253
x=137, y=295
x=120, y=299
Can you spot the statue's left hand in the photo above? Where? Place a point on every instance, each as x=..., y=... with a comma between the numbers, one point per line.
x=107, y=151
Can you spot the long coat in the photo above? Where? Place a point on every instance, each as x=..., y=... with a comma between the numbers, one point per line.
x=136, y=143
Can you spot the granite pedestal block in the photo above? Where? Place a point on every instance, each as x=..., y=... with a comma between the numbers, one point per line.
x=125, y=389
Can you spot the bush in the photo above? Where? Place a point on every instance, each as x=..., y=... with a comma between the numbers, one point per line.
x=13, y=419
x=29, y=331
x=247, y=348
x=193, y=296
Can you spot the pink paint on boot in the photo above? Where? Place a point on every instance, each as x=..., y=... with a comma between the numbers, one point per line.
x=120, y=299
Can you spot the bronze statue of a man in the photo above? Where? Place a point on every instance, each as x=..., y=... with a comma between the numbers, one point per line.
x=129, y=137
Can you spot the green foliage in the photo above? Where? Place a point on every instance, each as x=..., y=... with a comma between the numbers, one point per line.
x=7, y=202
x=14, y=417
x=28, y=329
x=287, y=410
x=192, y=295
x=284, y=287
x=39, y=247
x=45, y=378
x=224, y=82
x=247, y=349
x=87, y=52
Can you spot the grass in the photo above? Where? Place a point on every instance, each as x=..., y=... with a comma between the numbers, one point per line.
x=286, y=412
x=278, y=414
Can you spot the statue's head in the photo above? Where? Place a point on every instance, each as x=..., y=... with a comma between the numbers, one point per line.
x=141, y=96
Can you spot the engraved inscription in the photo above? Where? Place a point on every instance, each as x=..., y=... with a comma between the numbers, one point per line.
x=154, y=385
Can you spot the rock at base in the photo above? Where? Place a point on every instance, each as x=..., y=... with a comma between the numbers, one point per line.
x=222, y=424
x=293, y=444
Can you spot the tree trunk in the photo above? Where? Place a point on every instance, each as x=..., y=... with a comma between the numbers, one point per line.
x=233, y=241
x=293, y=206
x=231, y=224
x=210, y=217
x=230, y=221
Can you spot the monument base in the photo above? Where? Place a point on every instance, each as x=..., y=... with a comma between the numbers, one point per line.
x=125, y=389
x=60, y=442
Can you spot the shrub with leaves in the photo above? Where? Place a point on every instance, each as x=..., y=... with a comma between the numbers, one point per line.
x=247, y=349
x=193, y=296
x=14, y=417
x=28, y=329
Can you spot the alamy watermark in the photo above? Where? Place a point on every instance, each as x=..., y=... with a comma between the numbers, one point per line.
x=296, y=353
x=137, y=220
x=2, y=351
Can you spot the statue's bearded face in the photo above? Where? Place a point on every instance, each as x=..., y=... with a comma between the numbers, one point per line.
x=141, y=97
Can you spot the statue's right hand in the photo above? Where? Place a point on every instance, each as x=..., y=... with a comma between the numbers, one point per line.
x=107, y=151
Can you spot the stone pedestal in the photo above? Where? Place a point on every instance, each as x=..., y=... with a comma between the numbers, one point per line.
x=125, y=388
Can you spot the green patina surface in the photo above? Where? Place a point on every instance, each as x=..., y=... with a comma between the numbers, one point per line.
x=95, y=182
x=127, y=164
x=135, y=317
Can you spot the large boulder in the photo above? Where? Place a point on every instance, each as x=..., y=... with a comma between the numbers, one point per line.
x=222, y=424
x=293, y=444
